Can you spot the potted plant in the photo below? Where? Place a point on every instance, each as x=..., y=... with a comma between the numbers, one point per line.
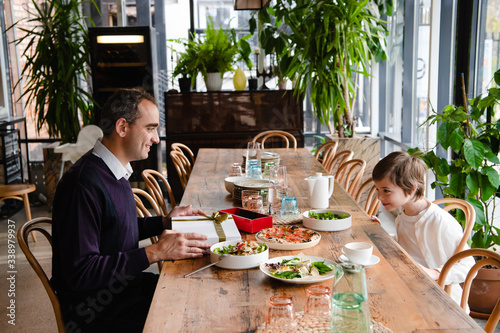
x=324, y=46
x=57, y=43
x=472, y=173
x=186, y=69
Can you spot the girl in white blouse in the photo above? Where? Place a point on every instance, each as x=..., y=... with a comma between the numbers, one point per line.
x=428, y=233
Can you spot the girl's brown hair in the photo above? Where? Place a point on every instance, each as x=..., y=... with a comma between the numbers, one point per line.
x=403, y=170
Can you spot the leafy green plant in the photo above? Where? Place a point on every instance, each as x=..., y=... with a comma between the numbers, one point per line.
x=325, y=45
x=217, y=51
x=57, y=61
x=472, y=173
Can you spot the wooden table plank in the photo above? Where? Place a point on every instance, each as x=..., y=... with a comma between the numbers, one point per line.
x=402, y=297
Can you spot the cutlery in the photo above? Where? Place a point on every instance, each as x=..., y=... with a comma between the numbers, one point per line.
x=200, y=269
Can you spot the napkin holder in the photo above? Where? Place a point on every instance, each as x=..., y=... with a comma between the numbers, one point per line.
x=206, y=226
x=249, y=221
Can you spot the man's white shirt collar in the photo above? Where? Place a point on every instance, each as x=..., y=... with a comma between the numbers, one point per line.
x=112, y=162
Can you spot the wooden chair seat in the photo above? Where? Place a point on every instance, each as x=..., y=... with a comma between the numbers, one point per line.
x=42, y=225
x=349, y=175
x=372, y=203
x=287, y=137
x=488, y=257
x=19, y=192
x=143, y=211
x=326, y=153
x=153, y=185
x=182, y=166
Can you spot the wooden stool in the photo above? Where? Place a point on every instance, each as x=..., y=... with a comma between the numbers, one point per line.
x=19, y=192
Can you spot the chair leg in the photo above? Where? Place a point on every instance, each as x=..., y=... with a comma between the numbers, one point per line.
x=27, y=209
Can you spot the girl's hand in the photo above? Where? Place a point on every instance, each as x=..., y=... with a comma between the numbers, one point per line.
x=376, y=220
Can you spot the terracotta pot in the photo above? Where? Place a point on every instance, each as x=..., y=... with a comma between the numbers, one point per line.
x=484, y=292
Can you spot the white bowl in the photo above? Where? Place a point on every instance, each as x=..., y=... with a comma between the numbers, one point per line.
x=237, y=262
x=229, y=182
x=327, y=225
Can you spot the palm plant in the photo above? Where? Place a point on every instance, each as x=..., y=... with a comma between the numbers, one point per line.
x=55, y=73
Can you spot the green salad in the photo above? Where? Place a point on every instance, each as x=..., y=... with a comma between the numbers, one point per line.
x=242, y=248
x=297, y=268
x=327, y=216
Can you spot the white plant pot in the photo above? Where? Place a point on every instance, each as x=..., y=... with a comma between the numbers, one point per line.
x=213, y=81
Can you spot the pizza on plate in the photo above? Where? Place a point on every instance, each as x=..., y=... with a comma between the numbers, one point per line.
x=287, y=235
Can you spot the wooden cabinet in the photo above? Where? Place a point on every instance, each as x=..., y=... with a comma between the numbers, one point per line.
x=228, y=119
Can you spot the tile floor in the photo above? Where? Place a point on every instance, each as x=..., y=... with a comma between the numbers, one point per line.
x=33, y=308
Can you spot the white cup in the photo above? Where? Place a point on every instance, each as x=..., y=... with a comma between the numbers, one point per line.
x=358, y=252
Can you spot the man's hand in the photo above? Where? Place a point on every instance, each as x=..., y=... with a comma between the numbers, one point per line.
x=174, y=245
x=180, y=211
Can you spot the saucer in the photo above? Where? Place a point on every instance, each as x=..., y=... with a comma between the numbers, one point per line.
x=373, y=260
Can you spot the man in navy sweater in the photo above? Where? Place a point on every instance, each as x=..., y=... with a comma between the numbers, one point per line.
x=97, y=265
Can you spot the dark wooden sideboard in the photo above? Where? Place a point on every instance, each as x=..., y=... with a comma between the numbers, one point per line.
x=228, y=119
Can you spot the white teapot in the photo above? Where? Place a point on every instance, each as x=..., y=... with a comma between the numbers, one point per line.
x=320, y=190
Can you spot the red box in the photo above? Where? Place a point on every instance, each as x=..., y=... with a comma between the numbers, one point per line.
x=249, y=221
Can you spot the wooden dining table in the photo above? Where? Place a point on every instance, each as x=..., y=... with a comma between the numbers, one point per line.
x=402, y=297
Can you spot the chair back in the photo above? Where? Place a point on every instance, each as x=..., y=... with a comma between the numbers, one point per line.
x=470, y=216
x=372, y=203
x=488, y=257
x=340, y=158
x=182, y=148
x=287, y=137
x=326, y=153
x=349, y=175
x=182, y=166
x=153, y=185
x=42, y=225
x=143, y=211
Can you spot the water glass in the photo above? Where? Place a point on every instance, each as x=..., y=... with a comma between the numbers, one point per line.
x=235, y=170
x=318, y=308
x=281, y=315
x=289, y=207
x=252, y=156
x=254, y=171
x=279, y=185
x=252, y=200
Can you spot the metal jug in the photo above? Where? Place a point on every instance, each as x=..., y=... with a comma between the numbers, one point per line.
x=320, y=190
x=350, y=309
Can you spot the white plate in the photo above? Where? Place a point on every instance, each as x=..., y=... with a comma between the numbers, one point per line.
x=373, y=260
x=327, y=225
x=295, y=246
x=305, y=280
x=237, y=262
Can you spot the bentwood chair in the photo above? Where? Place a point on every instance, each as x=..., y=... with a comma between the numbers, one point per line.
x=182, y=166
x=182, y=148
x=326, y=153
x=488, y=257
x=470, y=216
x=19, y=192
x=44, y=226
x=143, y=211
x=287, y=137
x=340, y=158
x=372, y=203
x=349, y=175
x=154, y=181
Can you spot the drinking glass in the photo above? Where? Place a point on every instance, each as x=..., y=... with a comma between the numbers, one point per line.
x=252, y=200
x=235, y=170
x=252, y=155
x=289, y=207
x=318, y=308
x=278, y=187
x=254, y=171
x=281, y=315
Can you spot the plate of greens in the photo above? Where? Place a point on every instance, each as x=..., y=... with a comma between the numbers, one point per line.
x=299, y=269
x=327, y=219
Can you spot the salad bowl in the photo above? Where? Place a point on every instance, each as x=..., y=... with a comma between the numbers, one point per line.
x=237, y=260
x=327, y=220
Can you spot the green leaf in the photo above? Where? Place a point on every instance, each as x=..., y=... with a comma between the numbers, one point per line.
x=492, y=175
x=457, y=185
x=473, y=183
x=456, y=139
x=474, y=152
x=487, y=188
